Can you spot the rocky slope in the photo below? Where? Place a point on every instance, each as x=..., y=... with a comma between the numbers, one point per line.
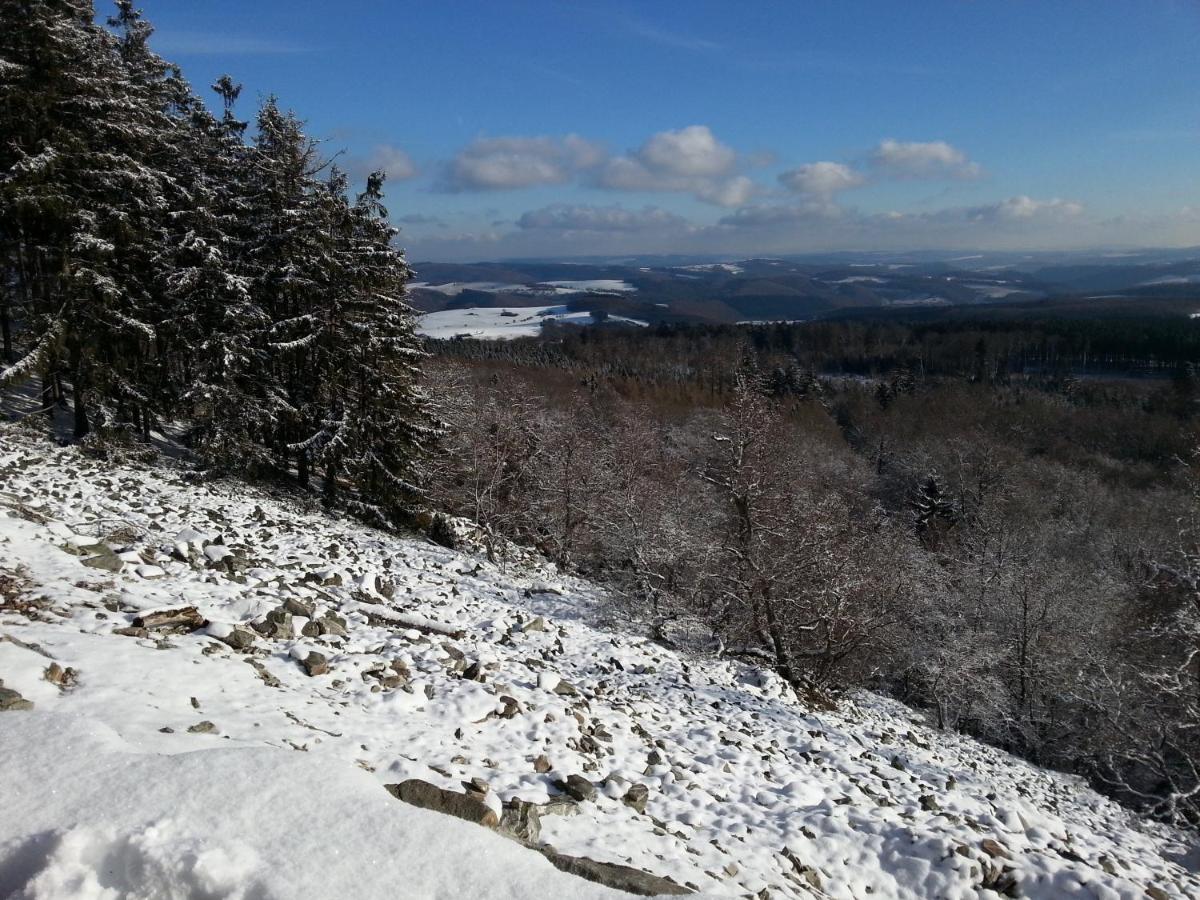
x=216, y=688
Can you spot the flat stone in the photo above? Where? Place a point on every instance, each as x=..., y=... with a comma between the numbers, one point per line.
x=205, y=727
x=578, y=787
x=185, y=618
x=621, y=878
x=10, y=701
x=239, y=639
x=420, y=793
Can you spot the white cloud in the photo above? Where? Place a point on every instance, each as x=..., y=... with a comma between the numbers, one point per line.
x=929, y=159
x=774, y=215
x=507, y=163
x=821, y=179
x=688, y=160
x=565, y=217
x=1023, y=208
x=387, y=158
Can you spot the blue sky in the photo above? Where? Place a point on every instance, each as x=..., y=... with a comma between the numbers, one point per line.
x=567, y=129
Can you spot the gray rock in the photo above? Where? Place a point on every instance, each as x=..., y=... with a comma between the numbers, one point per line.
x=538, y=624
x=298, y=607
x=205, y=727
x=10, y=700
x=184, y=619
x=521, y=821
x=239, y=639
x=560, y=806
x=428, y=796
x=315, y=664
x=566, y=689
x=621, y=878
x=332, y=624
x=578, y=787
x=276, y=624
x=541, y=765
x=103, y=558
x=636, y=797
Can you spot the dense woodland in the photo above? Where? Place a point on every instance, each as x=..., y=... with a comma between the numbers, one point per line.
x=960, y=515
x=1016, y=554
x=163, y=263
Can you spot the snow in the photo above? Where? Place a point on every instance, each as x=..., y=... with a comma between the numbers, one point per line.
x=594, y=284
x=107, y=793
x=501, y=323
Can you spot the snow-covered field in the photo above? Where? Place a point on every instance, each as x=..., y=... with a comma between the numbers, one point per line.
x=590, y=286
x=500, y=323
x=205, y=761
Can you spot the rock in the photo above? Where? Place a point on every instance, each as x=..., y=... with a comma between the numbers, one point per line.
x=473, y=672
x=239, y=638
x=636, y=797
x=993, y=848
x=929, y=803
x=559, y=806
x=298, y=607
x=1157, y=893
x=183, y=619
x=310, y=629
x=315, y=664
x=11, y=701
x=521, y=821
x=427, y=796
x=205, y=727
x=132, y=632
x=56, y=674
x=276, y=624
x=511, y=708
x=104, y=558
x=541, y=765
x=578, y=787
x=332, y=624
x=621, y=878
x=538, y=624
x=566, y=689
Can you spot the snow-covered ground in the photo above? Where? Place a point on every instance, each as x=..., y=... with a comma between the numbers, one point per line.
x=500, y=323
x=589, y=286
x=165, y=762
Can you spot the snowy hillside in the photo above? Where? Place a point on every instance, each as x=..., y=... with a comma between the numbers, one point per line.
x=500, y=323
x=222, y=681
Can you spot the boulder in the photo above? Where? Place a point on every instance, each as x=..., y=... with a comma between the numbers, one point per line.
x=10, y=700
x=184, y=619
x=636, y=797
x=521, y=821
x=240, y=638
x=103, y=558
x=578, y=787
x=428, y=796
x=315, y=664
x=621, y=878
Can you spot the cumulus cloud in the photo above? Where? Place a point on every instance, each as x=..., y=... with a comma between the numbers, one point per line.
x=566, y=217
x=1023, y=207
x=398, y=165
x=775, y=215
x=821, y=179
x=923, y=159
x=507, y=163
x=690, y=160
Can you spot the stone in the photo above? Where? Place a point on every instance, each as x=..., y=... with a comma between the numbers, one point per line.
x=11, y=701
x=315, y=664
x=420, y=793
x=566, y=689
x=993, y=848
x=538, y=624
x=473, y=672
x=541, y=765
x=132, y=632
x=511, y=708
x=636, y=797
x=183, y=619
x=239, y=638
x=57, y=675
x=578, y=787
x=205, y=727
x=104, y=558
x=521, y=821
x=1157, y=893
x=276, y=624
x=332, y=625
x=560, y=806
x=298, y=607
x=621, y=878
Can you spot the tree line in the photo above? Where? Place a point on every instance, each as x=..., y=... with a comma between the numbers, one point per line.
x=160, y=262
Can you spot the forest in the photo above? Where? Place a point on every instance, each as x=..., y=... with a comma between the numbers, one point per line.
x=994, y=522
